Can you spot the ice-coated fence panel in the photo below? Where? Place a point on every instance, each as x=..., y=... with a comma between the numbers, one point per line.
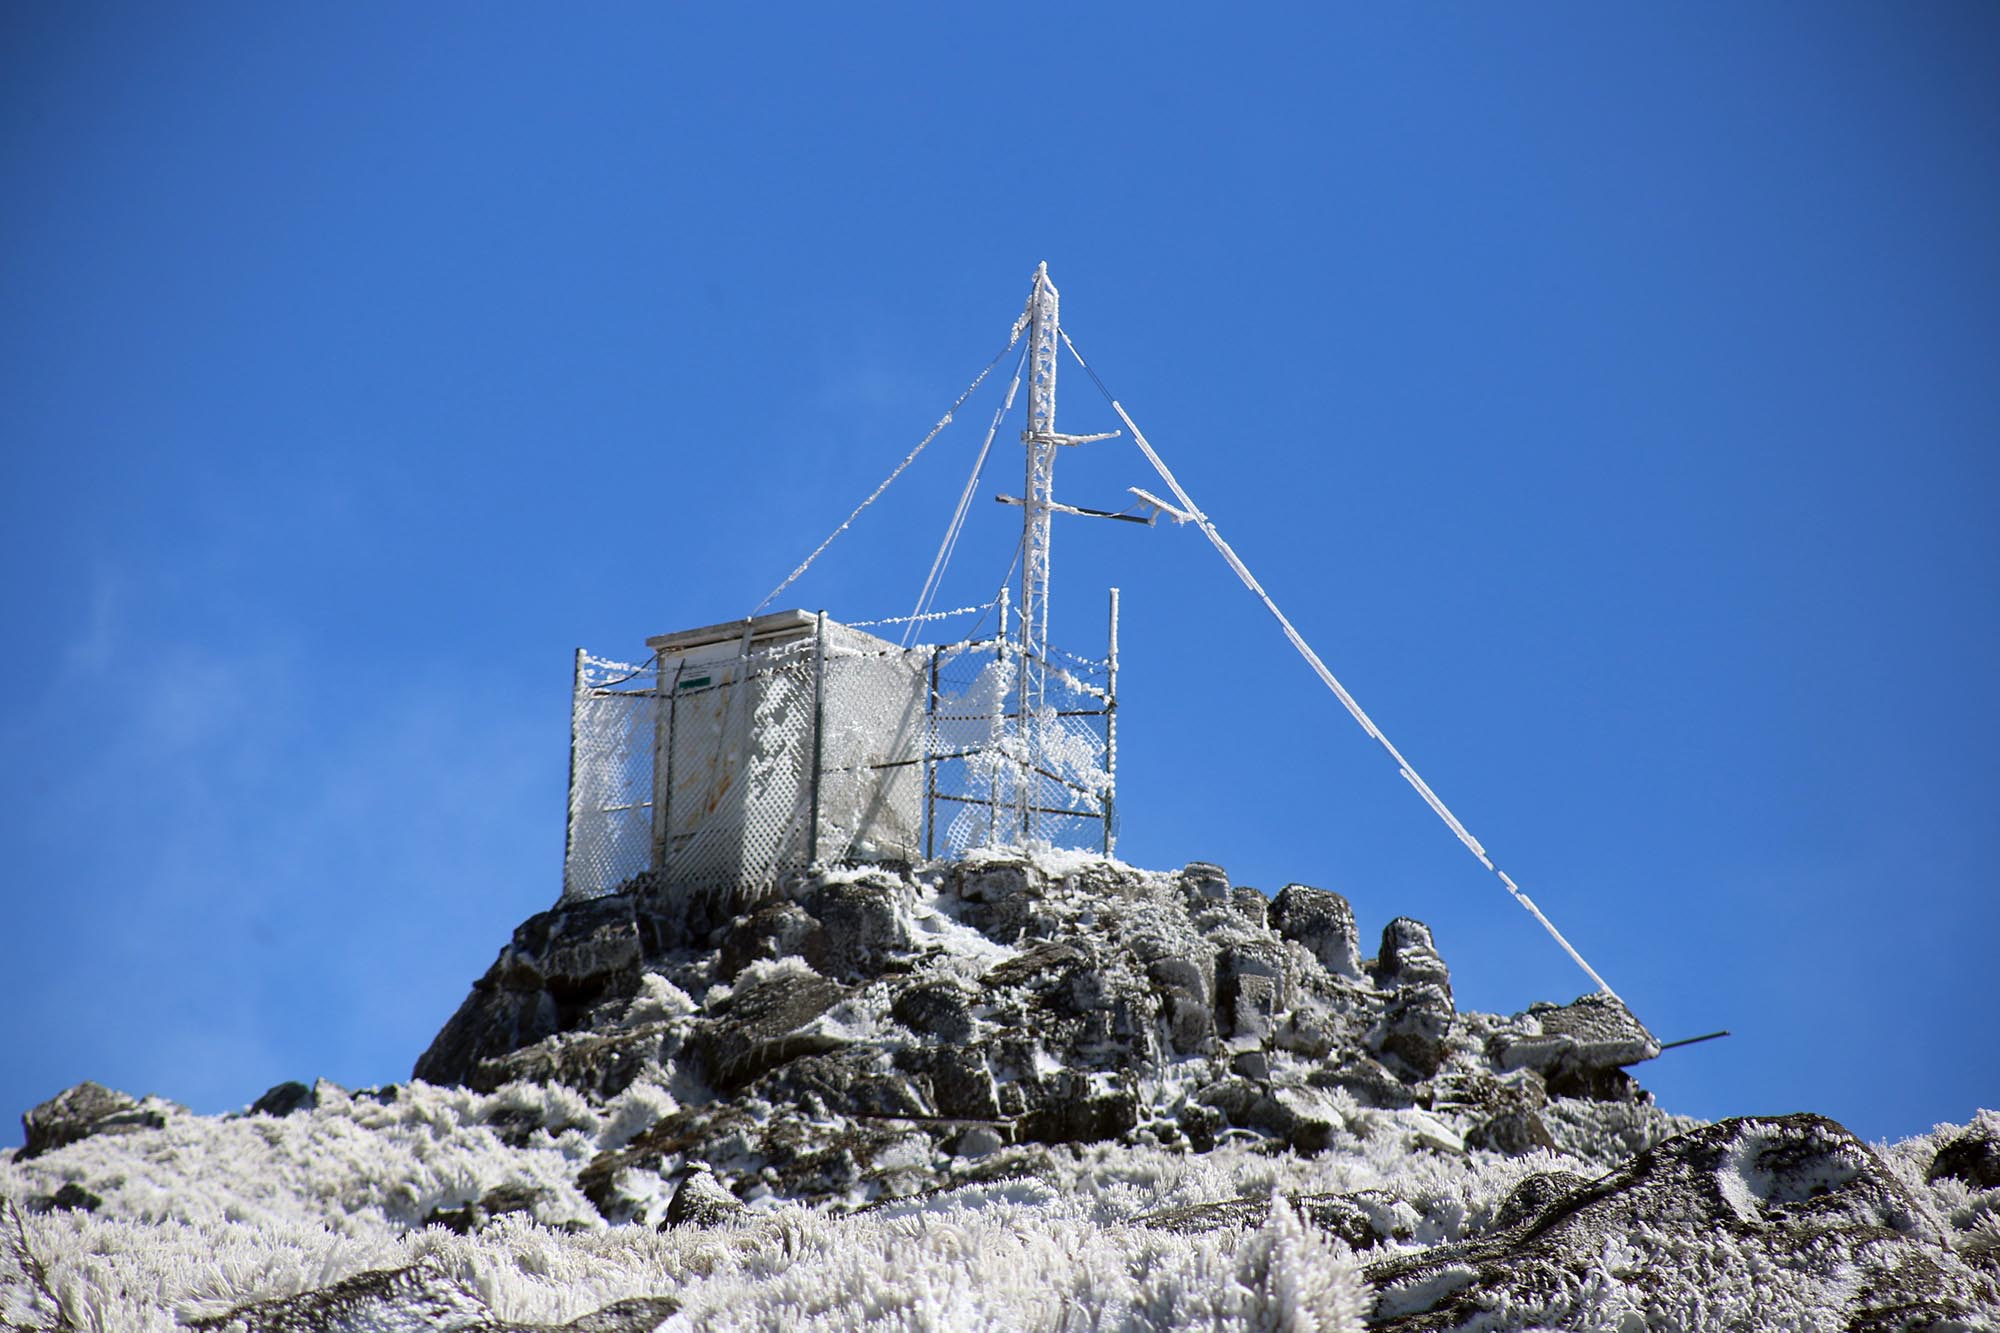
x=611, y=777
x=1017, y=761
x=737, y=760
x=871, y=784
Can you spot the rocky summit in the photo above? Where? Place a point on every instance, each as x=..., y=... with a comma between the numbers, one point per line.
x=1009, y=1092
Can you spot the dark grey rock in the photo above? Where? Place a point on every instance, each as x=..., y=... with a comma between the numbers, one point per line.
x=979, y=1141
x=560, y=965
x=1205, y=882
x=635, y=1314
x=759, y=1029
x=602, y=1065
x=1360, y=1220
x=82, y=1112
x=939, y=1010
x=779, y=929
x=284, y=1099
x=1409, y=957
x=1973, y=1157
x=1184, y=988
x=996, y=880
x=1253, y=1065
x=860, y=928
x=1366, y=1079
x=1252, y=905
x=1533, y=1196
x=1323, y=922
x=1068, y=1108
x=420, y=1296
x=1111, y=982
x=1414, y=1026
x=701, y=1201
x=960, y=1081
x=1805, y=1197
x=496, y=1202
x=72, y=1197
x=1251, y=987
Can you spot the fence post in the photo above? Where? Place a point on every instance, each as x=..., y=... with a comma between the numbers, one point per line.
x=663, y=767
x=661, y=732
x=930, y=762
x=1111, y=726
x=569, y=817
x=819, y=729
x=993, y=786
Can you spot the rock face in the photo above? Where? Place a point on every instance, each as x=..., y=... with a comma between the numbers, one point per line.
x=869, y=1033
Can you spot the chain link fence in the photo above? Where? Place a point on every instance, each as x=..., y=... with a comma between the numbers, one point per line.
x=718, y=772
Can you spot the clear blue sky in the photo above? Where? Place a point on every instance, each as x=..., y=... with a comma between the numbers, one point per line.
x=1610, y=394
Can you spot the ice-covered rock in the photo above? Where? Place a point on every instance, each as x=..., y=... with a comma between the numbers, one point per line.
x=1787, y=1221
x=909, y=1022
x=84, y=1110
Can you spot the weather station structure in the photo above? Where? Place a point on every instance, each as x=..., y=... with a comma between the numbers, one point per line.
x=736, y=754
x=739, y=752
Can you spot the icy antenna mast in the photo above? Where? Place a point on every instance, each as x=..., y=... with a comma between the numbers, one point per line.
x=1042, y=440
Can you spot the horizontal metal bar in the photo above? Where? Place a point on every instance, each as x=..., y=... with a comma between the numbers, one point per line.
x=1037, y=809
x=1015, y=717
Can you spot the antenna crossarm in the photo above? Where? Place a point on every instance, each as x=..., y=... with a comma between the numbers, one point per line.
x=1052, y=437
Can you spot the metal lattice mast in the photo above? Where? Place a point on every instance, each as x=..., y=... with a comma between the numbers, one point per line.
x=1040, y=437
x=1044, y=330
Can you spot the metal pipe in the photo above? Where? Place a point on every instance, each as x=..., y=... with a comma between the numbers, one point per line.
x=666, y=814
x=1689, y=1041
x=659, y=746
x=993, y=788
x=1111, y=726
x=819, y=728
x=569, y=819
x=930, y=763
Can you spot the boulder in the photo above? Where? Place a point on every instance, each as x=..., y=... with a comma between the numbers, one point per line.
x=1973, y=1157
x=1409, y=957
x=863, y=925
x=1323, y=922
x=780, y=929
x=1251, y=988
x=82, y=1112
x=560, y=965
x=761, y=1025
x=1580, y=1048
x=1413, y=1028
x=283, y=1099
x=700, y=1201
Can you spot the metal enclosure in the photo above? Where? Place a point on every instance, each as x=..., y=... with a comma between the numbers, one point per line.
x=746, y=750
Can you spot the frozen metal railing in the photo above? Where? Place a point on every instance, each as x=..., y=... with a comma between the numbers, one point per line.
x=837, y=747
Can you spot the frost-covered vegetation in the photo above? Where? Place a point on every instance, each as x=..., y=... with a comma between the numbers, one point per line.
x=205, y=1216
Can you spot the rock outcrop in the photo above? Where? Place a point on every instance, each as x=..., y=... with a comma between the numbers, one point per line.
x=868, y=1033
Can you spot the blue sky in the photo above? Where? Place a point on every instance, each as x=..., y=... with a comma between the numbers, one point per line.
x=1609, y=394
